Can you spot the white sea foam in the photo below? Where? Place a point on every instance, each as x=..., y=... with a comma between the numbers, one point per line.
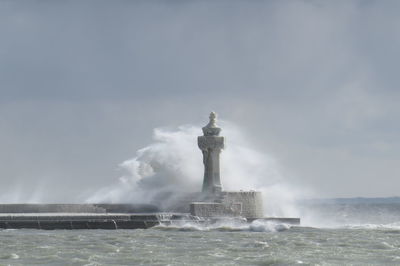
x=172, y=165
x=226, y=225
x=390, y=226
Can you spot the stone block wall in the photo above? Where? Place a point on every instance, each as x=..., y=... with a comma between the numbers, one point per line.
x=246, y=204
x=213, y=209
x=252, y=204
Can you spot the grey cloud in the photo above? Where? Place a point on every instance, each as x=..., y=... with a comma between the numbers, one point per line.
x=82, y=84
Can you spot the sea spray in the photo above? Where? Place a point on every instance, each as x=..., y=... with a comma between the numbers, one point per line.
x=225, y=225
x=172, y=166
x=166, y=168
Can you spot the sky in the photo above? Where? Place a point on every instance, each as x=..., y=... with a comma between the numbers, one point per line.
x=314, y=84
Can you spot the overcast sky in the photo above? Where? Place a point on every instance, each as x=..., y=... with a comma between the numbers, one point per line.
x=315, y=84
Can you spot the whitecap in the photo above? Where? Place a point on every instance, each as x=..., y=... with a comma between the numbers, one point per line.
x=226, y=225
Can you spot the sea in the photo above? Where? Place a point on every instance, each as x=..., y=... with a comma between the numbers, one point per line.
x=333, y=232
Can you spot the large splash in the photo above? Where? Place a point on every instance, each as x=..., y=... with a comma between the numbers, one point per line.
x=226, y=225
x=172, y=166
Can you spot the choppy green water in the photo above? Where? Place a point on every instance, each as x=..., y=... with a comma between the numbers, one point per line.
x=224, y=245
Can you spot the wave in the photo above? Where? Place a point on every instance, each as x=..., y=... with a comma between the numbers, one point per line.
x=233, y=225
x=390, y=226
x=166, y=170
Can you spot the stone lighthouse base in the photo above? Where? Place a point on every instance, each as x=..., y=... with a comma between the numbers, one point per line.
x=246, y=204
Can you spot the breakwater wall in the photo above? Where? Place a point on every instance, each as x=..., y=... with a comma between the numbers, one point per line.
x=101, y=216
x=78, y=208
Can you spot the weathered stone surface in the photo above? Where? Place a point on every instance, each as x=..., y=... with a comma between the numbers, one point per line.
x=213, y=209
x=252, y=204
x=52, y=221
x=247, y=204
x=211, y=145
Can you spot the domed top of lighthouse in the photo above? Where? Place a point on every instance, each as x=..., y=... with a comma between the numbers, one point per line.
x=211, y=129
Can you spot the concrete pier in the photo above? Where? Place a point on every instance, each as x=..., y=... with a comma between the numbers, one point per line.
x=72, y=221
x=118, y=216
x=51, y=221
x=78, y=208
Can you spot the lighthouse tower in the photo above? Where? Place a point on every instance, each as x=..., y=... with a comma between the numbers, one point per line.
x=211, y=145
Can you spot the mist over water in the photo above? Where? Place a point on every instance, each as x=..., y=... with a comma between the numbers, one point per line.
x=172, y=165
